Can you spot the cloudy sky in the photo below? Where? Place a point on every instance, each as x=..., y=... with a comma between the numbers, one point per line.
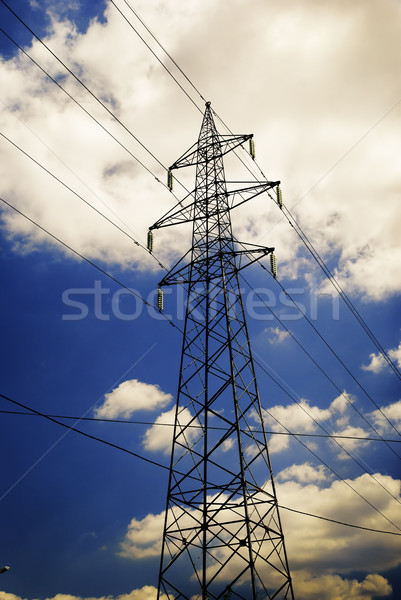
x=89, y=121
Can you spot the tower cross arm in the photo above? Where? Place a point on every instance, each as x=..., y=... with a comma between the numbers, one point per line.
x=242, y=195
x=253, y=253
x=196, y=153
x=176, y=215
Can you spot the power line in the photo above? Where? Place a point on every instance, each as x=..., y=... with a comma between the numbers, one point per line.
x=90, y=92
x=87, y=435
x=106, y=108
x=72, y=191
x=157, y=464
x=300, y=512
x=80, y=105
x=154, y=54
x=156, y=424
x=125, y=286
x=334, y=353
x=302, y=235
x=323, y=429
x=88, y=261
x=344, y=395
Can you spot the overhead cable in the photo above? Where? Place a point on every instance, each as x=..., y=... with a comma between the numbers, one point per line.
x=212, y=427
x=157, y=464
x=302, y=347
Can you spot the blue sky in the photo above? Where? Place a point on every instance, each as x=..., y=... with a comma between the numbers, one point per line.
x=317, y=86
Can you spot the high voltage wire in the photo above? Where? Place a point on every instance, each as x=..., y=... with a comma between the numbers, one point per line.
x=79, y=104
x=164, y=50
x=302, y=235
x=343, y=394
x=156, y=424
x=335, y=354
x=75, y=193
x=176, y=327
x=88, y=261
x=120, y=124
x=157, y=464
x=327, y=435
x=154, y=54
x=104, y=106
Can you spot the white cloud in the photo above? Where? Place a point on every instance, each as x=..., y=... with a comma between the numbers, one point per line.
x=391, y=413
x=328, y=587
x=158, y=438
x=300, y=417
x=378, y=363
x=276, y=335
x=131, y=396
x=350, y=444
x=322, y=177
x=147, y=592
x=321, y=553
x=305, y=473
x=143, y=537
x=324, y=547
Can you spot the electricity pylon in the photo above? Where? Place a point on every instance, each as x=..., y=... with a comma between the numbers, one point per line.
x=222, y=534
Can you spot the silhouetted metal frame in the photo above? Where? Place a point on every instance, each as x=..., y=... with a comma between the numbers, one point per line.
x=216, y=357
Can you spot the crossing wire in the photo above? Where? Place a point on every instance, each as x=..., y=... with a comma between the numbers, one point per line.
x=248, y=430
x=302, y=235
x=134, y=293
x=157, y=464
x=92, y=94
x=302, y=347
x=178, y=328
x=305, y=316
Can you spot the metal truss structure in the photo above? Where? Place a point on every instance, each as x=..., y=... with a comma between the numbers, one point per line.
x=222, y=535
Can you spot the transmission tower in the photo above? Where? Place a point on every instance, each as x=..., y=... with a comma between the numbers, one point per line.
x=222, y=534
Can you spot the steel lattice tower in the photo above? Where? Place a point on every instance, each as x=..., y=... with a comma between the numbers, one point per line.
x=222, y=534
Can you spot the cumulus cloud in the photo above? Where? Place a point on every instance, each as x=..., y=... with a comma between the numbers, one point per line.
x=147, y=592
x=349, y=445
x=305, y=473
x=132, y=396
x=300, y=418
x=349, y=133
x=327, y=587
x=378, y=363
x=321, y=553
x=158, y=438
x=386, y=417
x=297, y=417
x=276, y=335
